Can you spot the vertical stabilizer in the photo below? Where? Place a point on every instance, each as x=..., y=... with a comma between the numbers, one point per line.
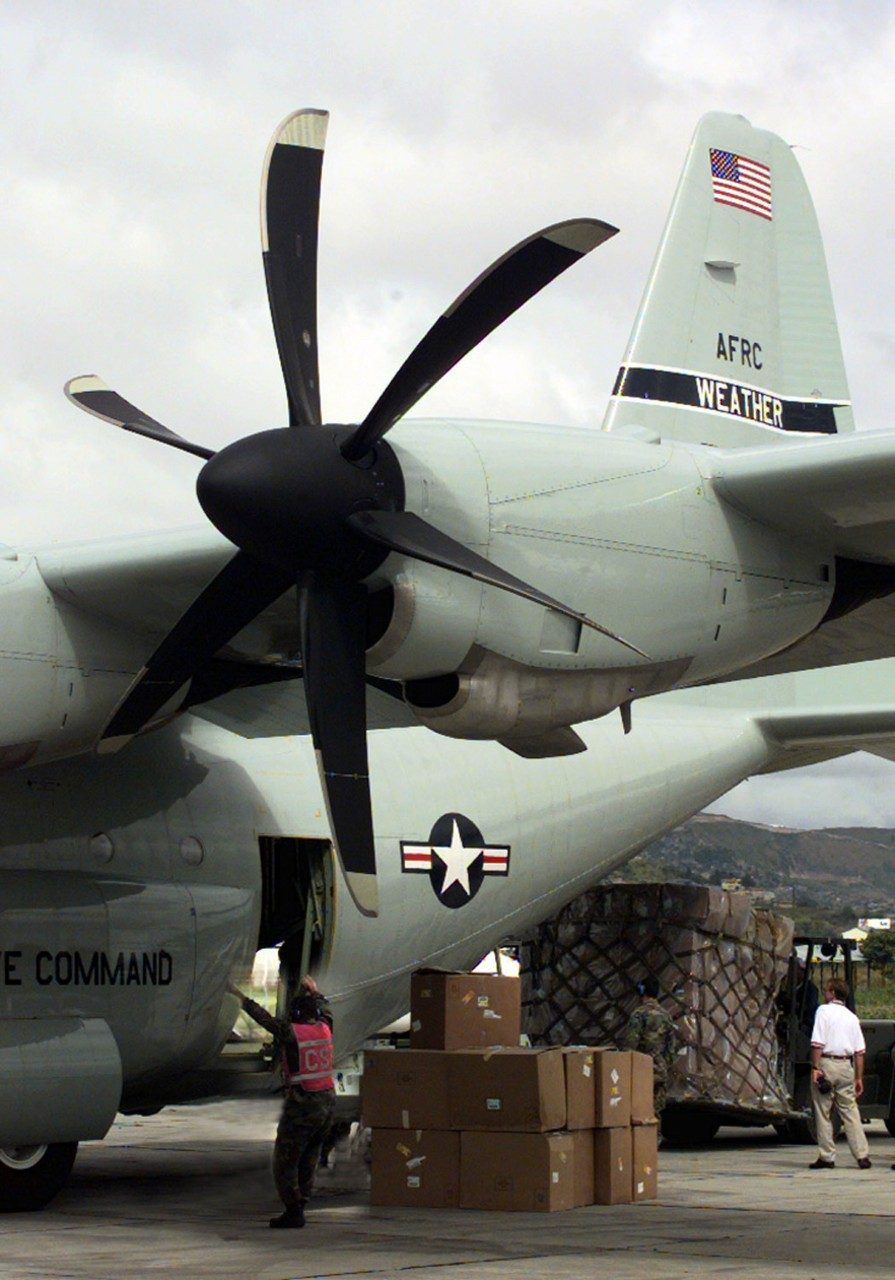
x=736, y=342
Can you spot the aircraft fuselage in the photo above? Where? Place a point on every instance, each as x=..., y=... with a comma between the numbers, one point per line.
x=132, y=885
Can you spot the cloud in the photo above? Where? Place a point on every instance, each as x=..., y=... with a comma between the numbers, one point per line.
x=854, y=791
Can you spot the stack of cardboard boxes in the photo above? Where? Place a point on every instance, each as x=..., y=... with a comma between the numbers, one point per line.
x=465, y=1118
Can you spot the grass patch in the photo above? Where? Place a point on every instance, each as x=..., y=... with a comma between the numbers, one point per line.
x=876, y=999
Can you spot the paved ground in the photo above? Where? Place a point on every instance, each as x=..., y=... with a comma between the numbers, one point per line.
x=187, y=1194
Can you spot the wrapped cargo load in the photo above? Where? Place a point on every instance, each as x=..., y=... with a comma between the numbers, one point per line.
x=719, y=963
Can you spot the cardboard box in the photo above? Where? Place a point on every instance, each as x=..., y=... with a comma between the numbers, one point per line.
x=522, y=1171
x=583, y=1170
x=464, y=1010
x=613, y=1165
x=580, y=1088
x=405, y=1089
x=643, y=1109
x=613, y=1089
x=645, y=1162
x=415, y=1167
x=523, y=1090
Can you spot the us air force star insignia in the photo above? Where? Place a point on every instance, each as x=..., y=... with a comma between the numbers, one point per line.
x=456, y=859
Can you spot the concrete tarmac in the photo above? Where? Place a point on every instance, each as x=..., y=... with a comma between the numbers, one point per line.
x=188, y=1193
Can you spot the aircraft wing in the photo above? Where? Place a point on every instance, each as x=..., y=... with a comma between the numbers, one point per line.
x=140, y=582
x=842, y=485
x=144, y=584
x=808, y=716
x=280, y=709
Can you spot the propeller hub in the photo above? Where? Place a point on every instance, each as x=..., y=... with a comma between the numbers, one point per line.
x=283, y=496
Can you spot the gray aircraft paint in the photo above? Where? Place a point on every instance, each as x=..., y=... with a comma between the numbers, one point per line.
x=130, y=886
x=629, y=532
x=561, y=819
x=722, y=272
x=567, y=823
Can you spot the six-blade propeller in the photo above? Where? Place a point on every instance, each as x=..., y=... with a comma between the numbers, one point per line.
x=320, y=507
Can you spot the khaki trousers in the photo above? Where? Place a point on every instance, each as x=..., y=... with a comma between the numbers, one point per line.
x=841, y=1075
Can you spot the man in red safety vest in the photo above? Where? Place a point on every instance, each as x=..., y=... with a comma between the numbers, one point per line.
x=305, y=1043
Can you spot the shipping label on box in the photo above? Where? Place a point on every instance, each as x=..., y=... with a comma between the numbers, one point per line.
x=418, y=1167
x=645, y=1162
x=642, y=1105
x=613, y=1090
x=464, y=1010
x=405, y=1089
x=519, y=1171
x=580, y=1088
x=507, y=1089
x=613, y=1164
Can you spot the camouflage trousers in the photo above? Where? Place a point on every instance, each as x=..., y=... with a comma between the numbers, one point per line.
x=302, y=1130
x=660, y=1096
x=660, y=1087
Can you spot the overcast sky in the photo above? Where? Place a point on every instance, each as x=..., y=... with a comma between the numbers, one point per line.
x=131, y=140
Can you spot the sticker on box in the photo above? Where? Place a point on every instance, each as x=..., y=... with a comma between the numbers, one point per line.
x=492, y=1104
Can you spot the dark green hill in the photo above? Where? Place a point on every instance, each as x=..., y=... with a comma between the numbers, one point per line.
x=825, y=879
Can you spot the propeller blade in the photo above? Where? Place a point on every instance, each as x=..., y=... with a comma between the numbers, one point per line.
x=90, y=393
x=489, y=300
x=406, y=533
x=290, y=202
x=242, y=590
x=333, y=642
x=221, y=675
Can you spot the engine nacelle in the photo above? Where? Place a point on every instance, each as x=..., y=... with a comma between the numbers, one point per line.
x=432, y=625
x=503, y=699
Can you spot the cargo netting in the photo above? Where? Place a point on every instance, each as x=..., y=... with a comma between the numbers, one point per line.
x=719, y=963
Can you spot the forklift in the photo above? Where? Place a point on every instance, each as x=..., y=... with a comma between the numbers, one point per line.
x=797, y=1001
x=694, y=1123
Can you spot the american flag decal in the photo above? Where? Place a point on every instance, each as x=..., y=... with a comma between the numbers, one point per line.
x=741, y=182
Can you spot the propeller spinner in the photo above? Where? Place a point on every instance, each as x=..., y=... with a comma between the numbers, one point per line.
x=320, y=507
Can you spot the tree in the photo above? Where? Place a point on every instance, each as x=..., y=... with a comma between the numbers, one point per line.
x=878, y=949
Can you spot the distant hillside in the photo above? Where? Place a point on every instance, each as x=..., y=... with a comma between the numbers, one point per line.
x=825, y=879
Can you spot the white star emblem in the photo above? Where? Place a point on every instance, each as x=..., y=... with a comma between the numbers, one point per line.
x=457, y=860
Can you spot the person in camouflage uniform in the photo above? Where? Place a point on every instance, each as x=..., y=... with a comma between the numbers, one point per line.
x=307, y=1114
x=651, y=1030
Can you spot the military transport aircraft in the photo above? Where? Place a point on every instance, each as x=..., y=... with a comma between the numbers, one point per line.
x=187, y=718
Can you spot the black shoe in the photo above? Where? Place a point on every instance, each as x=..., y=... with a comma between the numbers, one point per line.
x=293, y=1218
x=822, y=1164
x=864, y=1163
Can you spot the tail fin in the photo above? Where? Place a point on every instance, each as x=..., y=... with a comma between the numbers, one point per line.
x=736, y=342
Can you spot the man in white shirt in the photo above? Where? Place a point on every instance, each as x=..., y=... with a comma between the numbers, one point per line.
x=837, y=1056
